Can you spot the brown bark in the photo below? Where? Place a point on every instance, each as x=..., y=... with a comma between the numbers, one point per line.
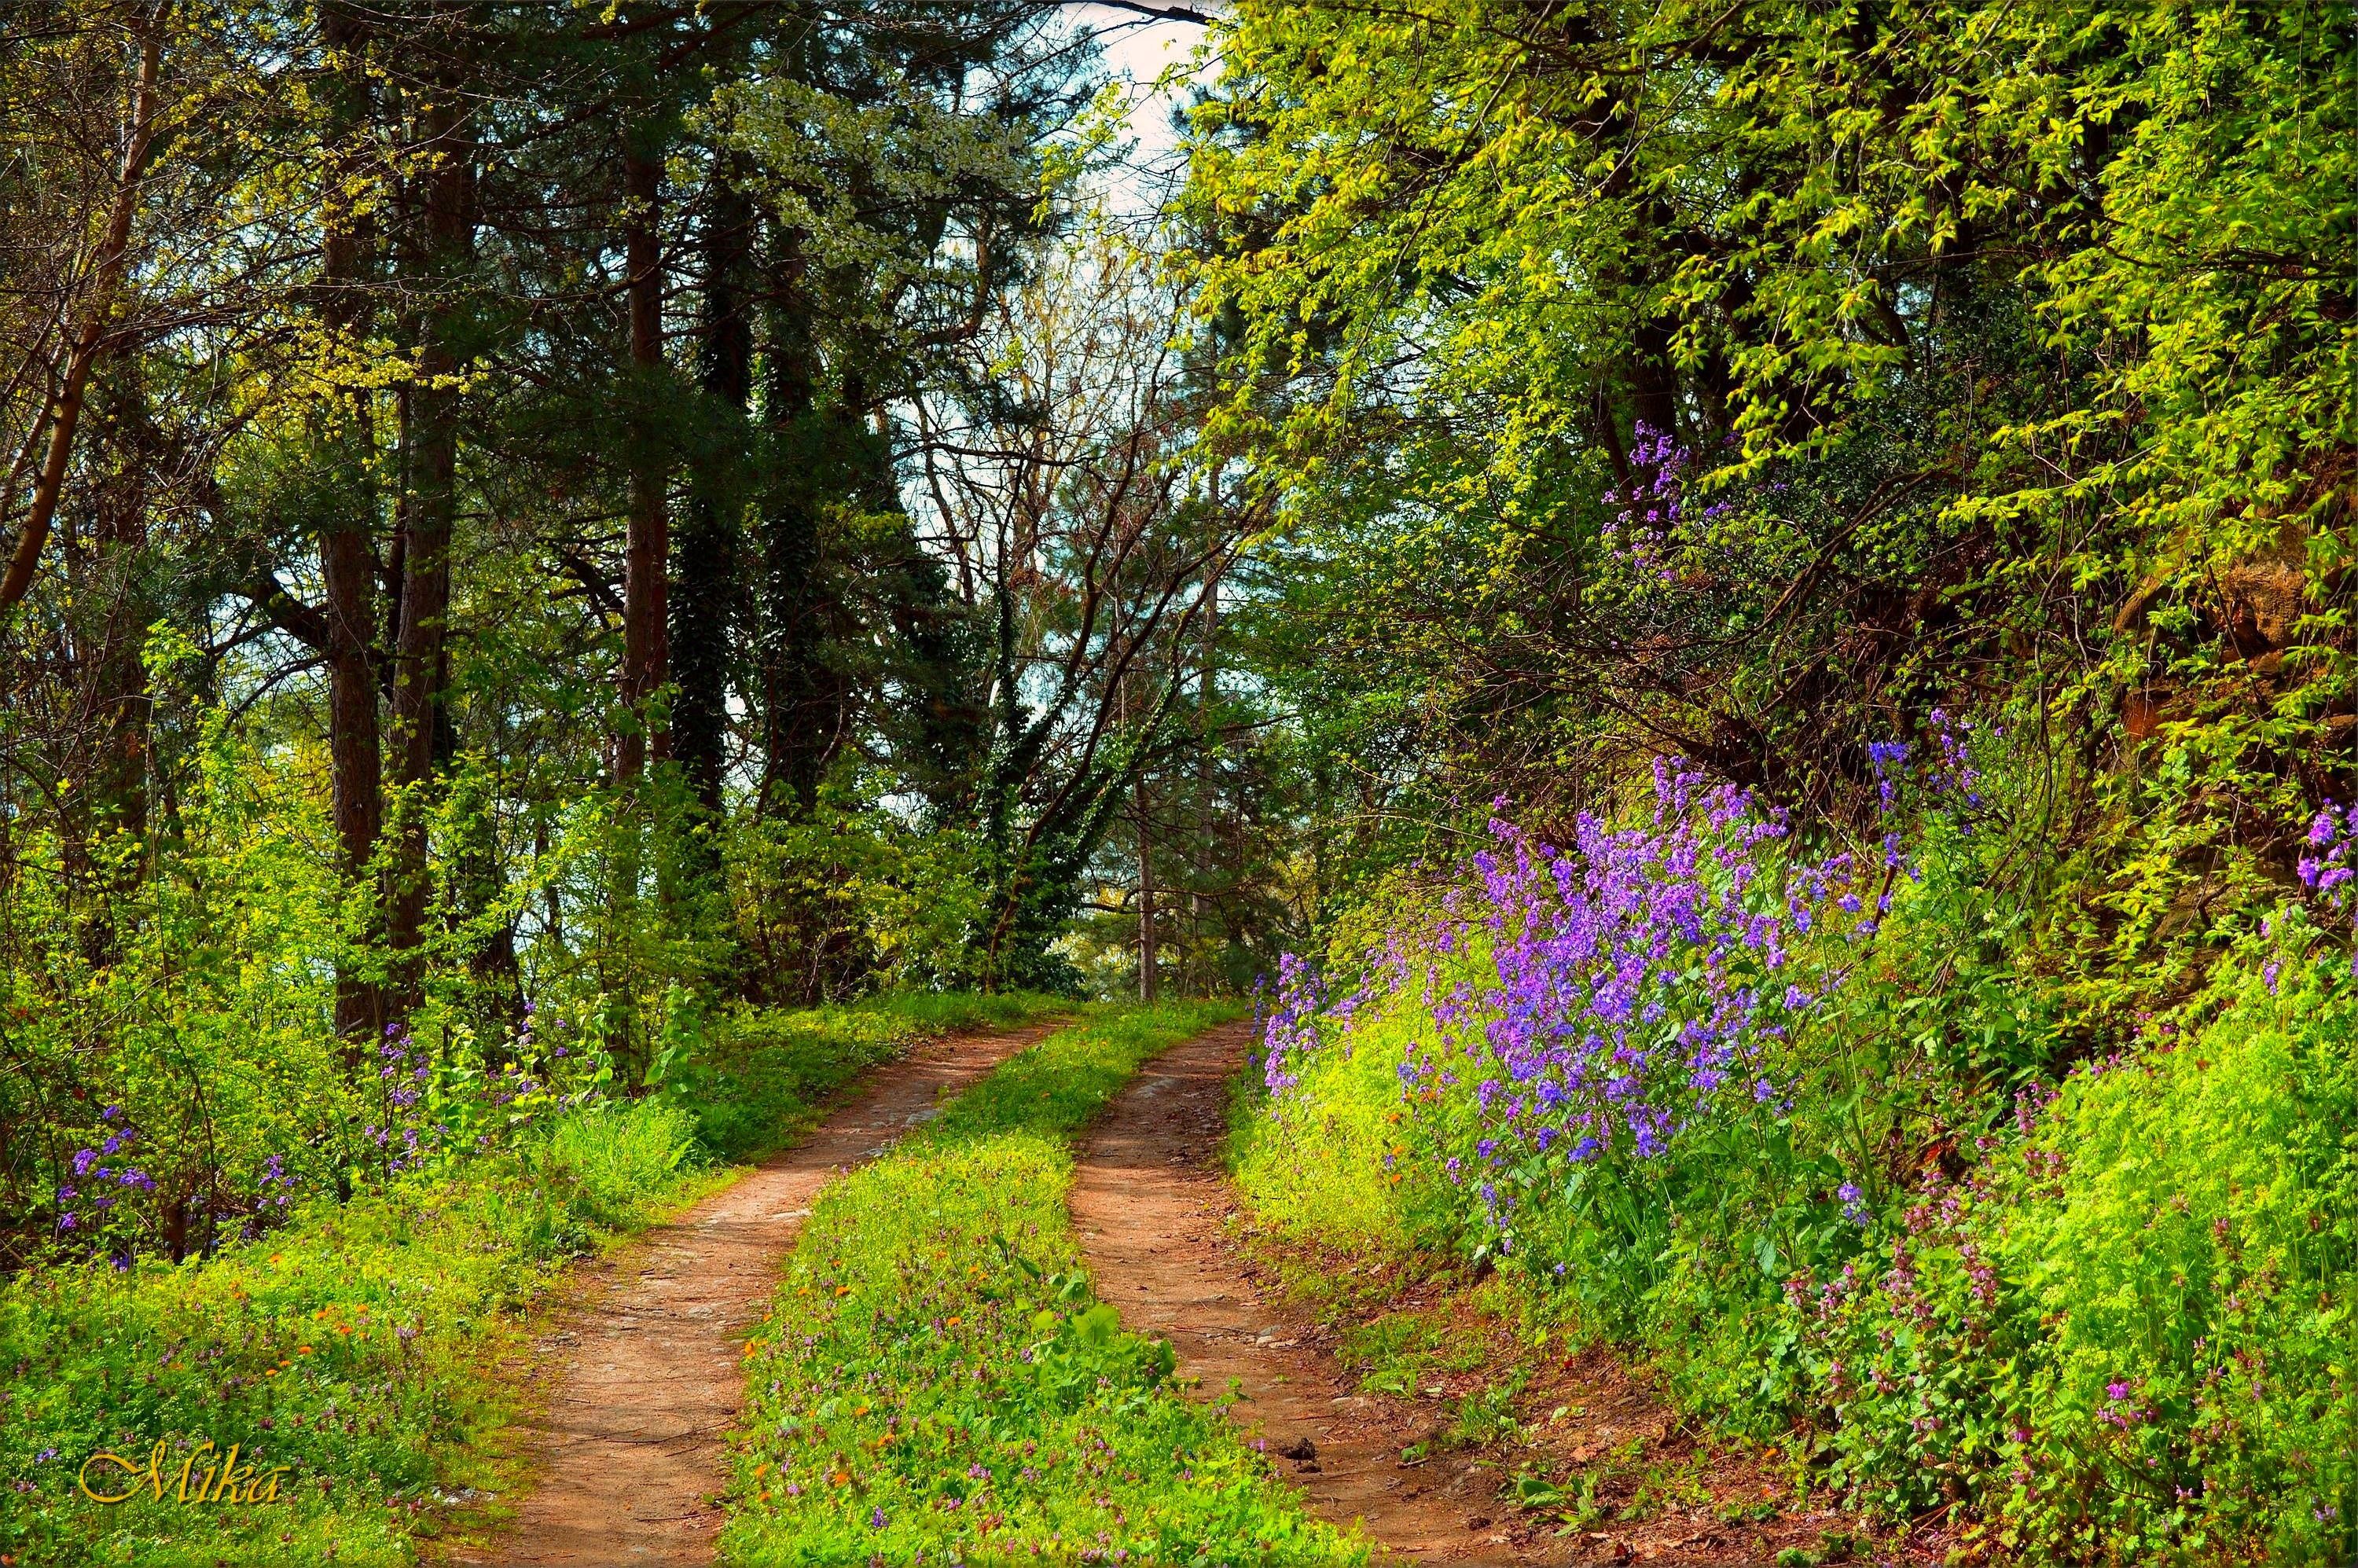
x=90, y=341
x=118, y=787
x=347, y=547
x=108, y=577
x=431, y=434
x=705, y=555
x=1146, y=964
x=647, y=545
x=1207, y=700
x=354, y=760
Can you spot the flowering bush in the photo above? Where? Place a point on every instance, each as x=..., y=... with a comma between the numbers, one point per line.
x=1592, y=1006
x=1807, y=1128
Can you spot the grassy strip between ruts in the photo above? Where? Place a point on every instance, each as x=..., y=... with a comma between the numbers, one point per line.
x=355, y=1349
x=936, y=1384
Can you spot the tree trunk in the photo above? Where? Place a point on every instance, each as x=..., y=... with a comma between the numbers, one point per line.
x=706, y=564
x=347, y=545
x=111, y=606
x=98, y=312
x=1146, y=966
x=647, y=545
x=795, y=744
x=355, y=764
x=1207, y=773
x=431, y=436
x=118, y=784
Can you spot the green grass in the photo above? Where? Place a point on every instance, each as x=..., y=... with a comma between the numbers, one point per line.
x=357, y=1345
x=350, y=1347
x=938, y=1383
x=760, y=1075
x=1331, y=1163
x=1397, y=1352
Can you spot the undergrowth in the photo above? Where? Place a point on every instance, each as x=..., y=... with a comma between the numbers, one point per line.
x=351, y=1348
x=2092, y=1306
x=759, y=1077
x=938, y=1383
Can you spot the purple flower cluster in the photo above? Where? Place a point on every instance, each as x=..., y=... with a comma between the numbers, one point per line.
x=275, y=1175
x=99, y=1166
x=420, y=1103
x=403, y=1084
x=1649, y=509
x=400, y=1080
x=2120, y=1406
x=1616, y=993
x=2327, y=870
x=1290, y=1034
x=430, y=1105
x=1949, y=773
x=1952, y=772
x=2333, y=836
x=1889, y=760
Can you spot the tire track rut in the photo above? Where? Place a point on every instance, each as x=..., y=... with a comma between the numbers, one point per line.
x=1149, y=1201
x=628, y=1452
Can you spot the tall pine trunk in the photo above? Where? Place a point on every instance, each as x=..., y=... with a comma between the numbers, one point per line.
x=647, y=544
x=704, y=565
x=793, y=700
x=430, y=436
x=347, y=543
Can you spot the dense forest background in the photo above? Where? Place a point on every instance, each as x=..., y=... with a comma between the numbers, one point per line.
x=632, y=514
x=521, y=505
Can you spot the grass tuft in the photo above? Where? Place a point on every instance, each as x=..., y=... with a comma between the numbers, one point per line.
x=938, y=1377
x=358, y=1346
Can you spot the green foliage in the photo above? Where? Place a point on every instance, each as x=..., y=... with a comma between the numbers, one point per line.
x=1323, y=1163
x=936, y=1376
x=2103, y=1300
x=849, y=897
x=616, y=1155
x=1396, y=1351
x=2134, y=1322
x=352, y=1347
x=194, y=1001
x=757, y=1074
x=1999, y=348
x=354, y=1341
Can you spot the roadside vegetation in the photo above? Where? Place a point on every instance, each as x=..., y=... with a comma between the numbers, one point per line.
x=1826, y=1159
x=938, y=1382
x=1819, y=573
x=352, y=1349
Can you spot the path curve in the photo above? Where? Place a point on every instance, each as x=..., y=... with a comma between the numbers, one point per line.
x=628, y=1451
x=1148, y=1201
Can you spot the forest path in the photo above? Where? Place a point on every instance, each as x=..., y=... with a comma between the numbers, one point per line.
x=1149, y=1200
x=628, y=1450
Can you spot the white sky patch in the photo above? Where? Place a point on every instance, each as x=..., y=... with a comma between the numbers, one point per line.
x=1137, y=51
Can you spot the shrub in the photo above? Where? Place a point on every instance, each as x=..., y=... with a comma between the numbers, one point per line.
x=2179, y=1239
x=616, y=1155
x=2107, y=1301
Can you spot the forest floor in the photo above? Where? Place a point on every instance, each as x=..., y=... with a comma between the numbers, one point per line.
x=645, y=1377
x=1493, y=1450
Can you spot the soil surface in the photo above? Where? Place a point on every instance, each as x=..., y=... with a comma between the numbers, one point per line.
x=628, y=1449
x=1158, y=1225
x=1150, y=1204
